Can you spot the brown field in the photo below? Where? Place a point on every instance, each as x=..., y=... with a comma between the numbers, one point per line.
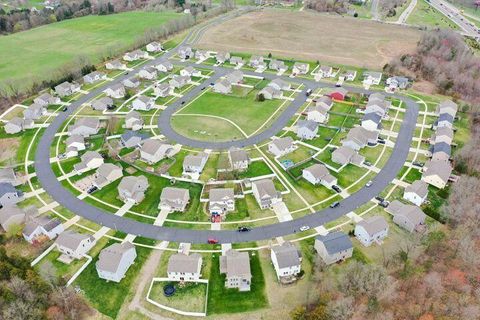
x=312, y=36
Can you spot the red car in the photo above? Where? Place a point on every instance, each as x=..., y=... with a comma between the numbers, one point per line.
x=212, y=241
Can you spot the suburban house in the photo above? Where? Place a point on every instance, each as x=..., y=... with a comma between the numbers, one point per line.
x=135, y=55
x=89, y=160
x=174, y=199
x=10, y=216
x=115, y=65
x=407, y=216
x=318, y=113
x=238, y=158
x=447, y=106
x=195, y=163
x=73, y=245
x=143, y=103
x=154, y=150
x=437, y=173
x=222, y=56
x=345, y=155
x=280, y=84
x=235, y=77
x=256, y=62
x=42, y=227
x=270, y=93
x=416, y=193
x=115, y=260
x=116, y=91
x=238, y=61
x=9, y=195
x=325, y=72
x=16, y=125
x=397, y=82
x=324, y=101
x=182, y=267
x=281, y=146
x=373, y=229
x=442, y=134
x=201, y=54
x=265, y=193
x=221, y=201
x=359, y=137
x=307, y=129
x=179, y=81
x=337, y=94
x=132, y=139
x=190, y=72
x=84, y=127
x=444, y=120
x=278, y=65
x=148, y=73
x=7, y=175
x=94, y=76
x=300, y=68
x=372, y=78
x=162, y=89
x=286, y=260
x=47, y=99
x=106, y=174
x=67, y=88
x=102, y=104
x=132, y=188
x=319, y=174
x=377, y=105
x=236, y=266
x=441, y=152
x=222, y=86
x=164, y=66
x=349, y=75
x=34, y=112
x=74, y=143
x=185, y=53
x=154, y=47
x=133, y=121
x=333, y=247
x=371, y=121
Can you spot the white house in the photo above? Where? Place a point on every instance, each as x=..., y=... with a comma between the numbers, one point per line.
x=148, y=73
x=371, y=121
x=182, y=267
x=307, y=129
x=174, y=199
x=116, y=91
x=239, y=159
x=265, y=193
x=164, y=66
x=221, y=201
x=73, y=245
x=319, y=174
x=236, y=266
x=373, y=229
x=89, y=160
x=286, y=260
x=133, y=121
x=195, y=163
x=416, y=193
x=94, y=76
x=37, y=227
x=154, y=150
x=143, y=103
x=133, y=188
x=115, y=260
x=154, y=47
x=300, y=68
x=115, y=65
x=282, y=146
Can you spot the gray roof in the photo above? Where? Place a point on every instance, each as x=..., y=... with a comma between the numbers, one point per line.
x=444, y=131
x=411, y=212
x=194, y=160
x=133, y=184
x=221, y=194
x=448, y=104
x=129, y=134
x=175, y=195
x=335, y=242
x=7, y=175
x=182, y=263
x=374, y=224
x=418, y=187
x=373, y=116
x=47, y=223
x=235, y=263
x=325, y=100
x=265, y=187
x=238, y=155
x=446, y=117
x=110, y=257
x=287, y=255
x=71, y=239
x=10, y=211
x=133, y=114
x=441, y=168
x=307, y=124
x=6, y=187
x=319, y=171
x=74, y=138
x=442, y=147
x=283, y=143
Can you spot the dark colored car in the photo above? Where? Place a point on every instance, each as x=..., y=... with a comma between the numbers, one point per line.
x=384, y=204
x=64, y=109
x=379, y=199
x=243, y=229
x=336, y=188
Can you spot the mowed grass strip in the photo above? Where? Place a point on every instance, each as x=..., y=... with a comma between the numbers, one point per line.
x=36, y=52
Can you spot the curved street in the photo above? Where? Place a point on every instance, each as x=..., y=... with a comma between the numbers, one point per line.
x=68, y=200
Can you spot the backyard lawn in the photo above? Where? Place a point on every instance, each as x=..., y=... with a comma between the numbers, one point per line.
x=189, y=296
x=56, y=44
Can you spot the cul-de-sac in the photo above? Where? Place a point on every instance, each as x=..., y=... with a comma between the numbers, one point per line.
x=305, y=160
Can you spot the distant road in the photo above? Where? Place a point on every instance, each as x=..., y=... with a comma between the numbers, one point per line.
x=454, y=14
x=406, y=13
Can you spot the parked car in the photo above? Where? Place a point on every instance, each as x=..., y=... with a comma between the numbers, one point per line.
x=64, y=109
x=243, y=229
x=308, y=92
x=384, y=204
x=336, y=188
x=304, y=228
x=379, y=199
x=212, y=241
x=369, y=183
x=335, y=204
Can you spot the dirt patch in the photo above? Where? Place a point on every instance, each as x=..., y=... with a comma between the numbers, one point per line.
x=8, y=150
x=312, y=36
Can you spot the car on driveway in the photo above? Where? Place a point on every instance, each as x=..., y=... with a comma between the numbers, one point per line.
x=337, y=188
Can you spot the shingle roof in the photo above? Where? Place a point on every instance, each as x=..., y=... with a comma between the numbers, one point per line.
x=287, y=255
x=335, y=242
x=184, y=263
x=374, y=224
x=418, y=187
x=71, y=239
x=283, y=143
x=110, y=257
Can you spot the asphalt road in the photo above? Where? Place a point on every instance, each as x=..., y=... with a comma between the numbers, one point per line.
x=65, y=198
x=452, y=13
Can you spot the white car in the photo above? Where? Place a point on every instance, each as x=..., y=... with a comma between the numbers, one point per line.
x=304, y=228
x=369, y=183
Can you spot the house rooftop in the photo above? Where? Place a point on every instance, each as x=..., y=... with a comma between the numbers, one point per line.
x=183, y=263
x=418, y=187
x=335, y=242
x=110, y=257
x=287, y=255
x=374, y=224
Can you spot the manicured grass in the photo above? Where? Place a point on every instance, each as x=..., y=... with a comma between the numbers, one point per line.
x=255, y=169
x=108, y=297
x=223, y=300
x=426, y=15
x=246, y=112
x=53, y=45
x=188, y=296
x=205, y=128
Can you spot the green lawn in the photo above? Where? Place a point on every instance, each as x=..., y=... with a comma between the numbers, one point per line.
x=223, y=300
x=46, y=48
x=188, y=296
x=246, y=112
x=255, y=169
x=426, y=15
x=108, y=297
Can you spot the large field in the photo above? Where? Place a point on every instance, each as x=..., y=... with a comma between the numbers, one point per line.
x=312, y=36
x=36, y=52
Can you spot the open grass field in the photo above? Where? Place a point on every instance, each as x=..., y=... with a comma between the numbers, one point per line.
x=245, y=112
x=312, y=36
x=426, y=15
x=36, y=52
